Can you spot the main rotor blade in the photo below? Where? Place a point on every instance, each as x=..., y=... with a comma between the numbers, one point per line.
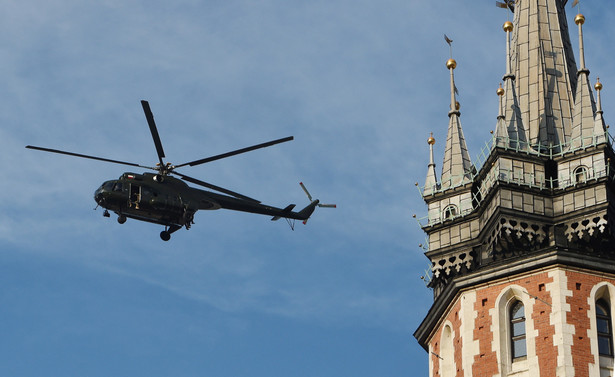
x=236, y=152
x=154, y=130
x=214, y=187
x=86, y=156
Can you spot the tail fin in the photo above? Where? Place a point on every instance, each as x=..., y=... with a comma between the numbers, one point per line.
x=289, y=209
x=307, y=211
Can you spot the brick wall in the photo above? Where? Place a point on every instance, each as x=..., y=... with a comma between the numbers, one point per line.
x=550, y=334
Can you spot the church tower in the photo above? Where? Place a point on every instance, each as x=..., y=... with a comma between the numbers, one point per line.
x=522, y=245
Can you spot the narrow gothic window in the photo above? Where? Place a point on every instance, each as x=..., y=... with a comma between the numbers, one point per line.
x=580, y=174
x=450, y=212
x=605, y=330
x=517, y=330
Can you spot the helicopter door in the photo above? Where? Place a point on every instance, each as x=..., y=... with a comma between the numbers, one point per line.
x=135, y=195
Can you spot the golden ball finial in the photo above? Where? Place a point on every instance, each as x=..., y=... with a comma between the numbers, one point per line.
x=598, y=85
x=451, y=64
x=457, y=105
x=579, y=19
x=431, y=140
x=500, y=91
x=508, y=26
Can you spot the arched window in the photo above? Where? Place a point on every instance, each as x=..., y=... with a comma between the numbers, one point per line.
x=447, y=352
x=450, y=212
x=517, y=330
x=580, y=174
x=605, y=329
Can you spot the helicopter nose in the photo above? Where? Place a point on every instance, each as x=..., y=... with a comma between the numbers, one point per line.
x=98, y=195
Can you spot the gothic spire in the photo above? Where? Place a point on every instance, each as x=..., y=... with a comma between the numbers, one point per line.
x=543, y=63
x=584, y=105
x=456, y=168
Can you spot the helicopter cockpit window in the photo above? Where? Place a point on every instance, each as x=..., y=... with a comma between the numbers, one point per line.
x=108, y=186
x=117, y=186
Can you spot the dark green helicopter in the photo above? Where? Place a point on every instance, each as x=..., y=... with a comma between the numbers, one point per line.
x=163, y=199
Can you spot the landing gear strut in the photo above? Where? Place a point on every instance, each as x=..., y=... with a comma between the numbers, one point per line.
x=165, y=235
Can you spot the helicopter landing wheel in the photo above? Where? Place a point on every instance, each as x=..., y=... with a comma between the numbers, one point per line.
x=165, y=236
x=121, y=219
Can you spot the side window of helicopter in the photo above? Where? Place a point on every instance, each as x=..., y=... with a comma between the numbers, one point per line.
x=146, y=191
x=117, y=186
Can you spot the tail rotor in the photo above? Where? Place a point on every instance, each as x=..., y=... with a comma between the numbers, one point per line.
x=312, y=200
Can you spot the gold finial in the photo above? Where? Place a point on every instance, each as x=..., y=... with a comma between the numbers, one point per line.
x=598, y=85
x=431, y=140
x=457, y=105
x=500, y=91
x=508, y=26
x=579, y=19
x=451, y=63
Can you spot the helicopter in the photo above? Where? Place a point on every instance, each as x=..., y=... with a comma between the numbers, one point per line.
x=163, y=199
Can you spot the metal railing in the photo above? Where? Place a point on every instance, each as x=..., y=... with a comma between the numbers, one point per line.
x=519, y=146
x=521, y=178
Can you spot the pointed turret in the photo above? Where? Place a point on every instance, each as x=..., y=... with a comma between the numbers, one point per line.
x=543, y=63
x=515, y=133
x=584, y=105
x=501, y=138
x=456, y=168
x=431, y=182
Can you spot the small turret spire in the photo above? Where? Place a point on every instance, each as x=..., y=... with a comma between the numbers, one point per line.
x=580, y=20
x=584, y=106
x=501, y=132
x=451, y=64
x=508, y=27
x=599, y=126
x=431, y=182
x=456, y=168
x=598, y=88
x=509, y=131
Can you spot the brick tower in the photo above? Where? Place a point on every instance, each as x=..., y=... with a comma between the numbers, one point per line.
x=522, y=245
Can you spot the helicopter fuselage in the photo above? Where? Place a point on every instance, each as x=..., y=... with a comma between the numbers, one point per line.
x=148, y=197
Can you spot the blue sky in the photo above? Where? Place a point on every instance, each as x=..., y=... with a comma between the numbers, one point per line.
x=359, y=84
